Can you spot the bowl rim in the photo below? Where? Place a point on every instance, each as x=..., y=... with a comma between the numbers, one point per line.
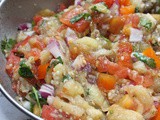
x=17, y=105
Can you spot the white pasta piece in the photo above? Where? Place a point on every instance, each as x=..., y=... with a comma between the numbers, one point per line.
x=142, y=95
x=24, y=49
x=95, y=114
x=95, y=93
x=88, y=43
x=72, y=88
x=115, y=112
x=67, y=107
x=59, y=72
x=45, y=56
x=140, y=67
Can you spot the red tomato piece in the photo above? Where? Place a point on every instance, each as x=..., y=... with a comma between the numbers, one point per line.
x=124, y=2
x=50, y=113
x=35, y=52
x=79, y=26
x=37, y=18
x=109, y=3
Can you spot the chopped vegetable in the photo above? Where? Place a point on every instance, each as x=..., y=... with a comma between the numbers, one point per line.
x=135, y=35
x=149, y=61
x=99, y=7
x=66, y=77
x=57, y=61
x=42, y=69
x=146, y=23
x=25, y=71
x=46, y=90
x=149, y=52
x=106, y=81
x=86, y=16
x=157, y=116
x=7, y=45
x=109, y=3
x=126, y=10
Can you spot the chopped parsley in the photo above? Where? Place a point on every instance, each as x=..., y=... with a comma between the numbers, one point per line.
x=66, y=77
x=75, y=19
x=7, y=45
x=57, y=61
x=148, y=61
x=146, y=23
x=137, y=10
x=100, y=7
x=25, y=71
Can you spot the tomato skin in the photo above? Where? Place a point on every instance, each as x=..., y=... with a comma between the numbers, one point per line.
x=109, y=3
x=50, y=113
x=79, y=26
x=14, y=61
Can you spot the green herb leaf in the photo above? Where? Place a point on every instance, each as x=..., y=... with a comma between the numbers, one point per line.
x=25, y=71
x=86, y=16
x=35, y=93
x=7, y=44
x=146, y=23
x=137, y=10
x=66, y=77
x=56, y=62
x=148, y=61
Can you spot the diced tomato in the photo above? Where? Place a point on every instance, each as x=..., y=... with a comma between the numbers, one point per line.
x=50, y=113
x=116, y=24
x=126, y=10
x=79, y=26
x=106, y=81
x=37, y=18
x=157, y=116
x=12, y=63
x=61, y=28
x=124, y=54
x=124, y=2
x=109, y=3
x=42, y=69
x=135, y=20
x=35, y=52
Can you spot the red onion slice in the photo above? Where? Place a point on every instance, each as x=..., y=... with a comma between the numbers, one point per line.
x=24, y=26
x=53, y=47
x=46, y=90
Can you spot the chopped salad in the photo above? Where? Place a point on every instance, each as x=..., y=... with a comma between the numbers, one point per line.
x=94, y=60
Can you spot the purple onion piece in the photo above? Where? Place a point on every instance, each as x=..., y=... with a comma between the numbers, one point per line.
x=91, y=79
x=88, y=68
x=46, y=90
x=24, y=26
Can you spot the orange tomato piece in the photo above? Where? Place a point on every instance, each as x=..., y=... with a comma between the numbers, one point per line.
x=149, y=52
x=42, y=70
x=36, y=19
x=124, y=2
x=106, y=81
x=126, y=10
x=35, y=52
x=79, y=26
x=116, y=24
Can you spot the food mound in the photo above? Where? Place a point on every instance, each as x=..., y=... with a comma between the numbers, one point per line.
x=95, y=60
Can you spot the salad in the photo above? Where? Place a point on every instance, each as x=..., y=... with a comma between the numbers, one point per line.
x=94, y=60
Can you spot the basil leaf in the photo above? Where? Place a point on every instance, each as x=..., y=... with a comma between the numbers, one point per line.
x=148, y=61
x=86, y=16
x=25, y=71
x=7, y=45
x=146, y=23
